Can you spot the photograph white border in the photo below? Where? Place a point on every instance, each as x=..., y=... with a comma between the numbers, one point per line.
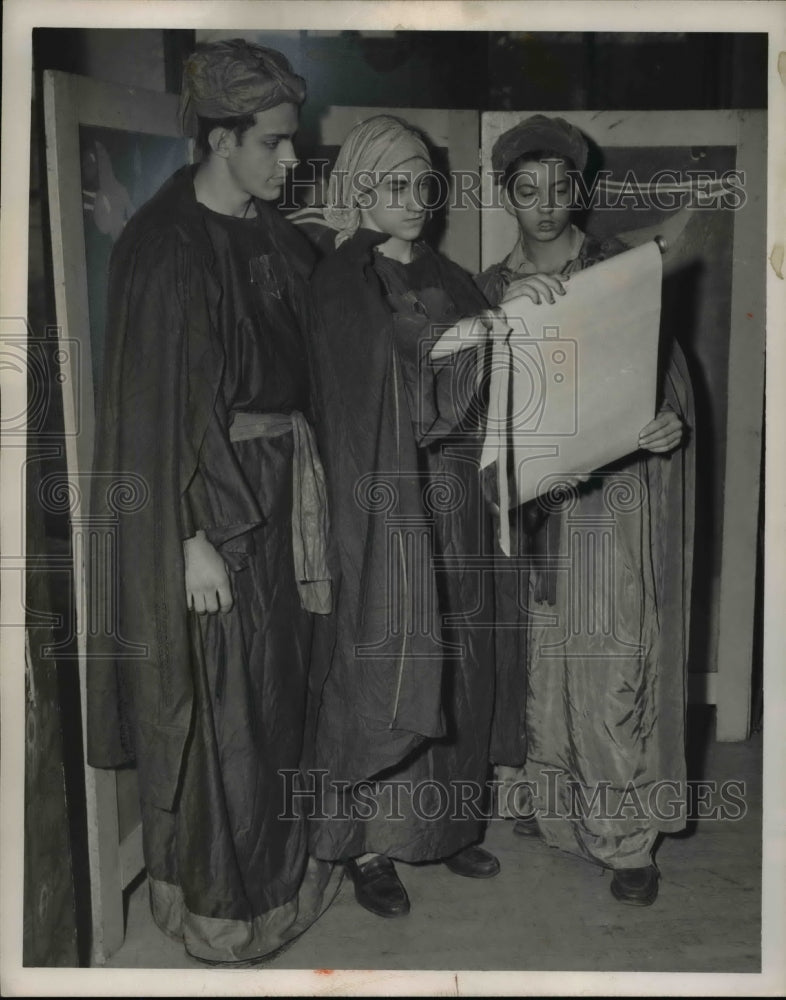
x=20, y=17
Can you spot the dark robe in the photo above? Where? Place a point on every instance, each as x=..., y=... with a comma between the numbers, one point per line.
x=608, y=639
x=404, y=671
x=203, y=322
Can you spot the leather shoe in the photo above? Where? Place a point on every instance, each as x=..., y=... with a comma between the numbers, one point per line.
x=473, y=862
x=527, y=827
x=378, y=887
x=635, y=886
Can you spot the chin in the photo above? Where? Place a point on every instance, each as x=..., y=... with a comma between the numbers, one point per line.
x=274, y=192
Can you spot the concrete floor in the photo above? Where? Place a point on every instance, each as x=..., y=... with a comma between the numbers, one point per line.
x=546, y=910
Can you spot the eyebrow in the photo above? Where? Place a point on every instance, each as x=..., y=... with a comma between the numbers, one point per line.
x=531, y=183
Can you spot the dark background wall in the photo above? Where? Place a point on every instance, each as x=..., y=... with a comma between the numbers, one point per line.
x=464, y=70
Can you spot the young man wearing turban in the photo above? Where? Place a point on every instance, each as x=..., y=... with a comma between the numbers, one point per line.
x=605, y=758
x=221, y=566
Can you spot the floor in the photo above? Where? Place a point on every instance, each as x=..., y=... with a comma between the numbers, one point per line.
x=546, y=910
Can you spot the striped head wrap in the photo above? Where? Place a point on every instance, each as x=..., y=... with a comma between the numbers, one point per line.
x=374, y=148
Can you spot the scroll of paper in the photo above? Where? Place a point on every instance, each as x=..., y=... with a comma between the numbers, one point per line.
x=573, y=383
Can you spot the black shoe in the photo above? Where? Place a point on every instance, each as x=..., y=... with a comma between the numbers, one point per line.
x=473, y=862
x=378, y=887
x=527, y=827
x=635, y=886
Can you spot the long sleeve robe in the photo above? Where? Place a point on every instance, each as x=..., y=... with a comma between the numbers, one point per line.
x=204, y=322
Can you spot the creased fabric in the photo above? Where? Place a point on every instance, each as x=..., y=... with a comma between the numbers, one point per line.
x=539, y=133
x=231, y=78
x=400, y=709
x=205, y=323
x=608, y=639
x=310, y=519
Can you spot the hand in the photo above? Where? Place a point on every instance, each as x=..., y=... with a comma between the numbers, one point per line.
x=496, y=323
x=207, y=580
x=487, y=324
x=538, y=287
x=488, y=316
x=663, y=433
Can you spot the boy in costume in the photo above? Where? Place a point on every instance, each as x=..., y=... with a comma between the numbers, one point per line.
x=221, y=569
x=600, y=719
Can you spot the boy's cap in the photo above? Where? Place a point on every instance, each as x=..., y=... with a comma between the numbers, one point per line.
x=539, y=132
x=232, y=78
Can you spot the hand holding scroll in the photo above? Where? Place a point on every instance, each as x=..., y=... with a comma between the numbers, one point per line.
x=538, y=287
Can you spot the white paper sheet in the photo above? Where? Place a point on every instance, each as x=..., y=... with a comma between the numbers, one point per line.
x=573, y=383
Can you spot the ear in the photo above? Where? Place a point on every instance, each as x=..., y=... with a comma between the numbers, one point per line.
x=222, y=141
x=364, y=199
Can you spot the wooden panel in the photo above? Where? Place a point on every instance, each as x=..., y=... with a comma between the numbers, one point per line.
x=745, y=394
x=71, y=103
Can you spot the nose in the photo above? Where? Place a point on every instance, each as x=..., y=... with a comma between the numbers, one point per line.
x=415, y=198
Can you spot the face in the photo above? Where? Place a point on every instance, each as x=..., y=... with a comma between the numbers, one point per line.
x=540, y=199
x=396, y=205
x=258, y=164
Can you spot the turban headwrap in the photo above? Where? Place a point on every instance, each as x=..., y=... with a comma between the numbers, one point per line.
x=372, y=149
x=538, y=132
x=234, y=78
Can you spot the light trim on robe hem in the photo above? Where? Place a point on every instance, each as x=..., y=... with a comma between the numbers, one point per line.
x=219, y=939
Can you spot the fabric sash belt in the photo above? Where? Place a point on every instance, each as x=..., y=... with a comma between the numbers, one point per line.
x=310, y=520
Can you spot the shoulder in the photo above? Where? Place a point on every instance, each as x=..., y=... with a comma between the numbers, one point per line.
x=349, y=262
x=444, y=263
x=467, y=294
x=157, y=245
x=311, y=222
x=161, y=227
x=493, y=281
x=490, y=275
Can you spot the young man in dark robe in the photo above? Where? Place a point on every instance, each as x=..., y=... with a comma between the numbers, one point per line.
x=220, y=565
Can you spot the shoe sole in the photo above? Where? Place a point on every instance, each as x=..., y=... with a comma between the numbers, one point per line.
x=634, y=900
x=490, y=874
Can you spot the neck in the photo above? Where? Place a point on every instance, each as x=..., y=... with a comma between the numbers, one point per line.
x=397, y=249
x=551, y=256
x=214, y=190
